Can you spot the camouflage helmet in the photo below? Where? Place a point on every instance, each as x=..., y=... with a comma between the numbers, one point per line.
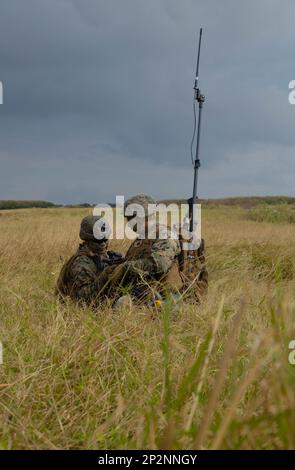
x=87, y=226
x=142, y=200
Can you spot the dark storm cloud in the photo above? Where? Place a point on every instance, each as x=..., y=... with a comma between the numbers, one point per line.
x=98, y=97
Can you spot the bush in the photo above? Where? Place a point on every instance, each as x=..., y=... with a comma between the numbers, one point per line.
x=278, y=215
x=268, y=262
x=11, y=204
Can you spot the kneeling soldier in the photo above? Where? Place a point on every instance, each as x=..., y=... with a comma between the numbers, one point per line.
x=78, y=278
x=154, y=265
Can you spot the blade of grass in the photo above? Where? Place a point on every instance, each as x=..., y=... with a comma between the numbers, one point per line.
x=221, y=377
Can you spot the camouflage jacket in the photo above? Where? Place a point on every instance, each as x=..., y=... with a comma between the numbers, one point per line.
x=147, y=260
x=153, y=256
x=78, y=278
x=159, y=263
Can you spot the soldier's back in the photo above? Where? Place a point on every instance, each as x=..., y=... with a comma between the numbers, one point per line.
x=78, y=277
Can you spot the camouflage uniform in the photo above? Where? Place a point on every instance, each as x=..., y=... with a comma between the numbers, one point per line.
x=148, y=265
x=78, y=278
x=155, y=264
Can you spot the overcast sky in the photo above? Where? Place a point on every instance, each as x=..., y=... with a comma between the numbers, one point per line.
x=98, y=98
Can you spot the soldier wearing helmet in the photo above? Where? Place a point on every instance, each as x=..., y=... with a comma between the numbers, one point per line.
x=152, y=263
x=78, y=278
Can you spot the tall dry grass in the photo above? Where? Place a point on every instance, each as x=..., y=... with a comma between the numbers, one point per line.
x=214, y=375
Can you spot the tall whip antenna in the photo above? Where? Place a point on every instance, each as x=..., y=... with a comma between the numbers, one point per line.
x=198, y=98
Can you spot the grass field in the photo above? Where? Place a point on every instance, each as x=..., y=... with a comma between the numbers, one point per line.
x=214, y=375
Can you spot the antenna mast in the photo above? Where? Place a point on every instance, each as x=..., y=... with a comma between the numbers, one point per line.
x=198, y=98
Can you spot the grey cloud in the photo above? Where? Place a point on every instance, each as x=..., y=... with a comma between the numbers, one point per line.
x=98, y=97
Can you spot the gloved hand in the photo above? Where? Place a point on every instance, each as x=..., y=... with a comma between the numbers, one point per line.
x=114, y=257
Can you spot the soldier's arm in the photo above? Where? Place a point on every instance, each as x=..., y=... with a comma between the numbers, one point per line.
x=85, y=285
x=162, y=255
x=159, y=261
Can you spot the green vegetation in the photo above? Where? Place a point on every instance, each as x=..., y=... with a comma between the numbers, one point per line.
x=278, y=214
x=13, y=204
x=244, y=202
x=214, y=375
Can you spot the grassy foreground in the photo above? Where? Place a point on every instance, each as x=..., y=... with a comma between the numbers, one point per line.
x=214, y=375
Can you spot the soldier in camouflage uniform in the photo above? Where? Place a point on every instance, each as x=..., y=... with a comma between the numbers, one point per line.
x=154, y=266
x=79, y=276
